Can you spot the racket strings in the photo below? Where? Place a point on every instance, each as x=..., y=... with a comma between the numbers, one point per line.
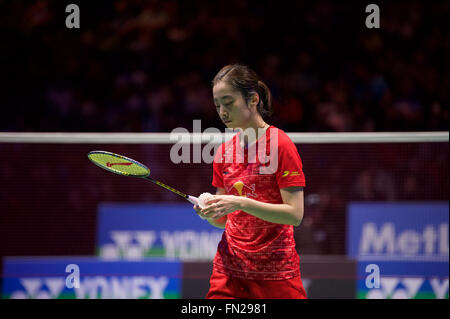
x=119, y=164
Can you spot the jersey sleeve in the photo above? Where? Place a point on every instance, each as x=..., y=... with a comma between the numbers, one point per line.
x=217, y=180
x=290, y=167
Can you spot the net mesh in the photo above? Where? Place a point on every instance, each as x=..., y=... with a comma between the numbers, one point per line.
x=49, y=202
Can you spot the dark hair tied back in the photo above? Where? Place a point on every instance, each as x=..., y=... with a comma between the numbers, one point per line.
x=265, y=100
x=245, y=80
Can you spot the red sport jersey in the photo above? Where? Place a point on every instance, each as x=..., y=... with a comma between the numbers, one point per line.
x=252, y=248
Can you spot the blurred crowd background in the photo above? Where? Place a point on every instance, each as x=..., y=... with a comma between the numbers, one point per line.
x=146, y=66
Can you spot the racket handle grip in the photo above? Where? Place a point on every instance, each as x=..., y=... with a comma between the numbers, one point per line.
x=193, y=200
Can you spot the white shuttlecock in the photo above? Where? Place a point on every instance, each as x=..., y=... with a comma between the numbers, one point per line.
x=203, y=198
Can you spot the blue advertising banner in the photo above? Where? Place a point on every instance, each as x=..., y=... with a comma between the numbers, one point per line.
x=135, y=231
x=402, y=280
x=91, y=278
x=413, y=230
x=402, y=249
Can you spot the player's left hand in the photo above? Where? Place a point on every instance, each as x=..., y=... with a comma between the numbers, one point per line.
x=221, y=205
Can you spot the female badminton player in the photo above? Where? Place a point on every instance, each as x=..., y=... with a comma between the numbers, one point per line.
x=257, y=202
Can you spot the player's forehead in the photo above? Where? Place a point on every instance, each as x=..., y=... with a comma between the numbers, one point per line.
x=222, y=90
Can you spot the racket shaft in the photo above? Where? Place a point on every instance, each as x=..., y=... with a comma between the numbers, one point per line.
x=167, y=187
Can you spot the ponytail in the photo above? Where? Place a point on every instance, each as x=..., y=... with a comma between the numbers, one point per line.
x=265, y=100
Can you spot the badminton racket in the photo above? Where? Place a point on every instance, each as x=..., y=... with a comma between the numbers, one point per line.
x=125, y=166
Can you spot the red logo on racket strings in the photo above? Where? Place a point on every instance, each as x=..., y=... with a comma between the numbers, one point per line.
x=111, y=164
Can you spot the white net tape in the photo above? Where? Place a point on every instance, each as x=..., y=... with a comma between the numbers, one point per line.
x=172, y=138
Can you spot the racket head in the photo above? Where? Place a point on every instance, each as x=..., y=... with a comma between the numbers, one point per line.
x=118, y=164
